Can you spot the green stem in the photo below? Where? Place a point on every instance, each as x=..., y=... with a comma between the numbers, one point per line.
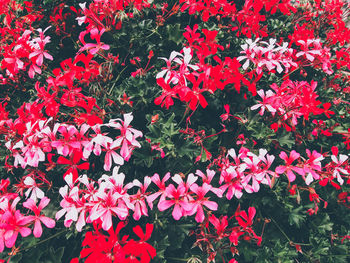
x=289, y=73
x=184, y=116
x=116, y=80
x=290, y=241
x=178, y=259
x=335, y=255
x=154, y=31
x=42, y=241
x=280, y=229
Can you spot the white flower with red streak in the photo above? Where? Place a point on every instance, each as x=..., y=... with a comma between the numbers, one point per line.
x=128, y=136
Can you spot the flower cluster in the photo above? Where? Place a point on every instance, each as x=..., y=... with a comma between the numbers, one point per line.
x=312, y=50
x=214, y=237
x=265, y=55
x=99, y=247
x=109, y=14
x=14, y=222
x=38, y=139
x=83, y=202
x=245, y=171
x=179, y=78
x=188, y=82
x=26, y=54
x=268, y=55
x=291, y=101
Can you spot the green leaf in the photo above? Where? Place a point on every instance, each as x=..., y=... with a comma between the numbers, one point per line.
x=286, y=140
x=175, y=33
x=323, y=224
x=53, y=256
x=297, y=216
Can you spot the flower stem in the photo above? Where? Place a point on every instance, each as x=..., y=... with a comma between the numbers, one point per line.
x=42, y=241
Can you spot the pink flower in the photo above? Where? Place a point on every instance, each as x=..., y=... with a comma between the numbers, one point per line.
x=69, y=142
x=93, y=48
x=140, y=197
x=178, y=199
x=184, y=62
x=191, y=179
x=201, y=201
x=289, y=168
x=167, y=71
x=253, y=164
x=33, y=150
x=115, y=183
x=310, y=54
x=161, y=185
x=98, y=140
x=33, y=69
x=232, y=182
x=37, y=218
x=71, y=203
x=339, y=162
x=248, y=51
x=207, y=180
x=33, y=188
x=265, y=164
x=312, y=165
x=14, y=223
x=265, y=103
x=41, y=54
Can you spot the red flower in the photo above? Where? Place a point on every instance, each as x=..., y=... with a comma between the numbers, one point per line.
x=167, y=94
x=245, y=220
x=72, y=164
x=220, y=225
x=113, y=248
x=326, y=111
x=140, y=249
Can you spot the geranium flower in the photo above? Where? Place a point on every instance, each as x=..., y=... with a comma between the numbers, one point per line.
x=13, y=222
x=200, y=200
x=289, y=168
x=106, y=207
x=38, y=218
x=178, y=199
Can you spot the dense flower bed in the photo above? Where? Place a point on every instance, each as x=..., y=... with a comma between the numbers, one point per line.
x=174, y=131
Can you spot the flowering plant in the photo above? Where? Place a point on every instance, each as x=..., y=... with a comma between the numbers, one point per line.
x=174, y=131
